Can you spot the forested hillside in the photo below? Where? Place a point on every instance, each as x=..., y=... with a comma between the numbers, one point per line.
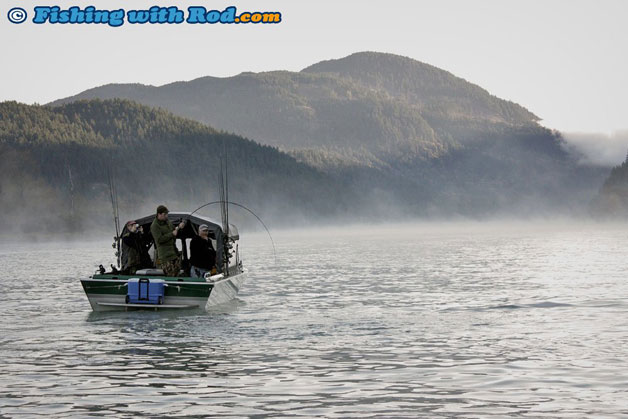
x=375, y=107
x=55, y=162
x=430, y=89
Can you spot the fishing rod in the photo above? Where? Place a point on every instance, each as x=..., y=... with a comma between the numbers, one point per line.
x=247, y=209
x=226, y=196
x=113, y=193
x=223, y=215
x=224, y=209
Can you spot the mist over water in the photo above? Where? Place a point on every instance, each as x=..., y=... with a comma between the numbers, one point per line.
x=432, y=320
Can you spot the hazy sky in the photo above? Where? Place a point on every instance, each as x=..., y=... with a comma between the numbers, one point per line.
x=566, y=61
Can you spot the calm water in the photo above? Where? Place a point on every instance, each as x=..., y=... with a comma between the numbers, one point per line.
x=442, y=320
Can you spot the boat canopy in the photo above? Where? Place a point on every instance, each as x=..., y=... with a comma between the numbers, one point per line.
x=192, y=223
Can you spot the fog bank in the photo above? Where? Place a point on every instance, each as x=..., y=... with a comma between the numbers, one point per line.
x=598, y=149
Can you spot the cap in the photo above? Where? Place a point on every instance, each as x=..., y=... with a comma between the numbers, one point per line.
x=203, y=227
x=161, y=209
x=130, y=223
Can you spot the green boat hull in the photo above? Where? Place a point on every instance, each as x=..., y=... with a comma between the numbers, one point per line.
x=108, y=292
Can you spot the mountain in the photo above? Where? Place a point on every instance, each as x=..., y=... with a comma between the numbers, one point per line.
x=430, y=89
x=376, y=106
x=55, y=165
x=387, y=123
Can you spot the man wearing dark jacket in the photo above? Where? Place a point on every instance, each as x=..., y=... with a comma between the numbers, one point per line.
x=202, y=253
x=134, y=248
x=165, y=235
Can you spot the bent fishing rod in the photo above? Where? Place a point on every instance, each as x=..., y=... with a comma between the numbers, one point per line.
x=245, y=208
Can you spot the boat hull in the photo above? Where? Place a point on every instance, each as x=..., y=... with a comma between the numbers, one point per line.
x=109, y=294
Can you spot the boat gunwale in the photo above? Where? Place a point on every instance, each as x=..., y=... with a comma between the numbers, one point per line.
x=124, y=281
x=177, y=280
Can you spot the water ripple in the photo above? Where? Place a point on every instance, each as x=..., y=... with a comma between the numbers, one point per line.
x=452, y=324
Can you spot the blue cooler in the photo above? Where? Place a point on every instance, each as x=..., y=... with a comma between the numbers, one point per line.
x=145, y=291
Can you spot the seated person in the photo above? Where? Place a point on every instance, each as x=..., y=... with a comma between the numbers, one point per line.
x=134, y=248
x=202, y=253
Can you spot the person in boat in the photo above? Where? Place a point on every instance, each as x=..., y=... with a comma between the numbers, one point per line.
x=202, y=253
x=165, y=234
x=134, y=247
